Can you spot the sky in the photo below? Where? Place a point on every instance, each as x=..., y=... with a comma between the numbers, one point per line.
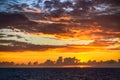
x=37, y=30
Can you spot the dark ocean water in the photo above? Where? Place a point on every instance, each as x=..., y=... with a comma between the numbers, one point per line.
x=60, y=74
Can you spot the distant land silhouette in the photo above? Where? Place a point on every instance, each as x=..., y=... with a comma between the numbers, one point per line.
x=62, y=62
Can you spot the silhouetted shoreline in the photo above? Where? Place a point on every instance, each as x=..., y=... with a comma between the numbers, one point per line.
x=64, y=63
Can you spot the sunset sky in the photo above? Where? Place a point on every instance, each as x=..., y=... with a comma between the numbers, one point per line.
x=37, y=30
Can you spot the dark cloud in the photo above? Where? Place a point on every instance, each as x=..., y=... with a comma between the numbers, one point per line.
x=103, y=43
x=107, y=34
x=14, y=19
x=115, y=2
x=53, y=28
x=83, y=13
x=81, y=8
x=22, y=46
x=2, y=35
x=19, y=21
x=52, y=7
x=109, y=22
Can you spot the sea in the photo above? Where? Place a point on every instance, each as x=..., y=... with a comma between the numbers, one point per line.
x=59, y=73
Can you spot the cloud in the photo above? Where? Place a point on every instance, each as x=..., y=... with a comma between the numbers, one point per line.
x=85, y=22
x=109, y=22
x=113, y=47
x=17, y=19
x=32, y=10
x=72, y=7
x=100, y=42
x=10, y=45
x=56, y=26
x=70, y=28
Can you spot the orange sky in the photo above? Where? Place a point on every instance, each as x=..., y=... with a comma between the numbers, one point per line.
x=82, y=54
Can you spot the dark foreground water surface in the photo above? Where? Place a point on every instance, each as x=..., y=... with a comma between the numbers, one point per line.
x=60, y=74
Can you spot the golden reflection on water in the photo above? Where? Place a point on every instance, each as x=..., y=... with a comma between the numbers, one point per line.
x=77, y=66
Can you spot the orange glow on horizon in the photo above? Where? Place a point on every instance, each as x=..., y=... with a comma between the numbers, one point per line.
x=53, y=54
